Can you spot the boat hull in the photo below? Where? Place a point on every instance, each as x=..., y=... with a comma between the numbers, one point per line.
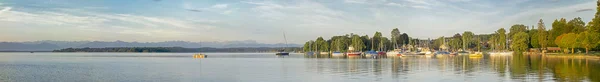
x=282, y=53
x=353, y=54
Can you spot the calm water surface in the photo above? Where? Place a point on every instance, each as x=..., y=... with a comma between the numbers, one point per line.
x=266, y=67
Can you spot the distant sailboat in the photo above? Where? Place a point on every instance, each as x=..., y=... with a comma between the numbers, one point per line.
x=282, y=52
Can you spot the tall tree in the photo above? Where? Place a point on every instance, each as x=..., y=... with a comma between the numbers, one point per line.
x=558, y=41
x=519, y=43
x=516, y=29
x=437, y=43
x=357, y=43
x=589, y=40
x=567, y=41
x=576, y=25
x=493, y=41
x=467, y=38
x=501, y=39
x=367, y=41
x=385, y=44
x=542, y=34
x=395, y=37
x=404, y=39
x=308, y=46
x=533, y=38
x=594, y=25
x=455, y=44
x=321, y=44
x=558, y=28
x=376, y=40
x=478, y=44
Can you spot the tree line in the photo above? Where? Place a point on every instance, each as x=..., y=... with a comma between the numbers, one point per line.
x=359, y=43
x=568, y=35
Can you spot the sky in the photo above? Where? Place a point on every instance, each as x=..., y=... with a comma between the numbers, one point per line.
x=266, y=21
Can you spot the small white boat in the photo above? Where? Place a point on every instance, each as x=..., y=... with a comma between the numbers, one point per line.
x=337, y=54
x=324, y=53
x=394, y=53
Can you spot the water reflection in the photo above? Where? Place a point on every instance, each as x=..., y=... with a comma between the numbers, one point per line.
x=518, y=67
x=266, y=67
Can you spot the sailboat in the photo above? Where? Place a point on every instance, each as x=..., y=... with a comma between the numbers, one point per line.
x=282, y=52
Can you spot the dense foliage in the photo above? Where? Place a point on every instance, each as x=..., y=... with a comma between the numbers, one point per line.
x=569, y=35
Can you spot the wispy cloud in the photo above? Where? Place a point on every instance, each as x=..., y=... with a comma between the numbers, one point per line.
x=356, y=1
x=91, y=23
x=262, y=20
x=420, y=7
x=395, y=4
x=220, y=6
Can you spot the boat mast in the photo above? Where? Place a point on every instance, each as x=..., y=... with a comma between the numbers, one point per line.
x=285, y=39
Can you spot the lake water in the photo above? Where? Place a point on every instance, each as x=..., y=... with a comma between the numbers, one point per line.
x=266, y=67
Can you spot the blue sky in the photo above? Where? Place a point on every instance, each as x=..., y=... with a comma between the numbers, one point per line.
x=265, y=20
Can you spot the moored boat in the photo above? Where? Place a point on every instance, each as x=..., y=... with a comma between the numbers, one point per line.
x=199, y=56
x=324, y=53
x=337, y=54
x=370, y=54
x=476, y=54
x=353, y=53
x=282, y=53
x=394, y=53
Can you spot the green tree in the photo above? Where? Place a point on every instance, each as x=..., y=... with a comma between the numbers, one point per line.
x=594, y=25
x=396, y=37
x=340, y=43
x=455, y=44
x=501, y=39
x=404, y=39
x=558, y=41
x=533, y=40
x=385, y=44
x=321, y=45
x=542, y=34
x=357, y=42
x=516, y=29
x=308, y=46
x=519, y=42
x=558, y=28
x=376, y=40
x=493, y=41
x=467, y=38
x=567, y=41
x=437, y=43
x=478, y=43
x=367, y=41
x=589, y=39
x=576, y=25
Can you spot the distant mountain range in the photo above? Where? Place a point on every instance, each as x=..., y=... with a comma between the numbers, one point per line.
x=49, y=45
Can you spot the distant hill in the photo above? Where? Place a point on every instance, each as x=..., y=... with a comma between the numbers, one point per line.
x=176, y=49
x=49, y=45
x=14, y=46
